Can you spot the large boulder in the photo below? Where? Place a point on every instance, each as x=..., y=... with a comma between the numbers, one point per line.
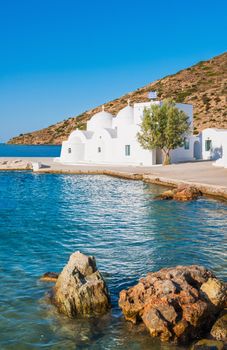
x=80, y=288
x=172, y=303
x=182, y=193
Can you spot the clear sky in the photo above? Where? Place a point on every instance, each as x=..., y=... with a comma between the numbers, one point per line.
x=59, y=58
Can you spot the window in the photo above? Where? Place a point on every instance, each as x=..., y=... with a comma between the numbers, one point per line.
x=99, y=150
x=127, y=150
x=208, y=144
x=186, y=144
x=69, y=150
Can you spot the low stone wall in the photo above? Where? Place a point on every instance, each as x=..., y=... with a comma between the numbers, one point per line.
x=208, y=190
x=219, y=192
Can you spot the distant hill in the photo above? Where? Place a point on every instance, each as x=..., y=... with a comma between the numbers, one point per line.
x=204, y=85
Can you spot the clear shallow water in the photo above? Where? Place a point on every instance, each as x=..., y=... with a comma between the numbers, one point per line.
x=29, y=150
x=44, y=218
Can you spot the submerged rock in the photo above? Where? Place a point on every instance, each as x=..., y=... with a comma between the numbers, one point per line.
x=208, y=344
x=49, y=277
x=80, y=288
x=181, y=193
x=172, y=303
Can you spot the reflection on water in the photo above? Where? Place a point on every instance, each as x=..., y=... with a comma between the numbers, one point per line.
x=44, y=218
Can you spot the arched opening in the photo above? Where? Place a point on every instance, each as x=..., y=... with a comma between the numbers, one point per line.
x=197, y=150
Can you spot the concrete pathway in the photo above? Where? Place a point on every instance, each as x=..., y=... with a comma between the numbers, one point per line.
x=200, y=172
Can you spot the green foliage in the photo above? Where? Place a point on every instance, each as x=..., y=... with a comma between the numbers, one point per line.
x=81, y=126
x=163, y=127
x=185, y=93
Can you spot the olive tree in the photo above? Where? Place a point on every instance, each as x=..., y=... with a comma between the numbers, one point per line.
x=164, y=127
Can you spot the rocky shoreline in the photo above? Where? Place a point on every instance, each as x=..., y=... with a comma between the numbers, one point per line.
x=180, y=304
x=129, y=173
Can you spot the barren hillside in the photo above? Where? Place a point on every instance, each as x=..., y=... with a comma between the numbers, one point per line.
x=204, y=85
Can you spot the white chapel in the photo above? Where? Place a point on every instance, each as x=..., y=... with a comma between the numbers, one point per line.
x=113, y=140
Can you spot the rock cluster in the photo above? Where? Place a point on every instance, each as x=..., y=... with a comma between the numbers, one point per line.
x=15, y=164
x=80, y=288
x=181, y=193
x=175, y=304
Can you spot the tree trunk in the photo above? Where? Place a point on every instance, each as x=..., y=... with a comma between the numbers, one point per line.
x=166, y=158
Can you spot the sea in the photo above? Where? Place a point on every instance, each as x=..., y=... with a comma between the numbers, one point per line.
x=7, y=150
x=46, y=217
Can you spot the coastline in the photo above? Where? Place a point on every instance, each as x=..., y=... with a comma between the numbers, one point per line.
x=210, y=180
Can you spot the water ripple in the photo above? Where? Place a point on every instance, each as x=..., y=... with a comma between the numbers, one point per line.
x=44, y=218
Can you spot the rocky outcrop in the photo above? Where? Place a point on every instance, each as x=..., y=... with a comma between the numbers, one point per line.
x=181, y=193
x=174, y=303
x=80, y=288
x=219, y=329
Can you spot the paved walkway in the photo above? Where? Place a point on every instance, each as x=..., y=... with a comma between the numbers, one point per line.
x=199, y=172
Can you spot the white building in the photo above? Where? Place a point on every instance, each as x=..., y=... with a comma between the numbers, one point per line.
x=214, y=145
x=110, y=139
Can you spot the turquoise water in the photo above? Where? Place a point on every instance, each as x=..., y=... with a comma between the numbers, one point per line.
x=44, y=218
x=29, y=150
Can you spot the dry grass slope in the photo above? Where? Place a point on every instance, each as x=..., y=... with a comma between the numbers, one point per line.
x=204, y=85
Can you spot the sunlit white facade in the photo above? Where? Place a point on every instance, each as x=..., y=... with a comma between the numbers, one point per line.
x=214, y=146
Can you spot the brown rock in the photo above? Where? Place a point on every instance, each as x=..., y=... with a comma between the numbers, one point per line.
x=156, y=323
x=219, y=329
x=166, y=195
x=181, y=193
x=171, y=304
x=49, y=277
x=215, y=291
x=80, y=288
x=186, y=193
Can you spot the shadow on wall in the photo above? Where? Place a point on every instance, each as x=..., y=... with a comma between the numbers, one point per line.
x=216, y=153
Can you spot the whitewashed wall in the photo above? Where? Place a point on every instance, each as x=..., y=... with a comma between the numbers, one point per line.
x=106, y=138
x=218, y=138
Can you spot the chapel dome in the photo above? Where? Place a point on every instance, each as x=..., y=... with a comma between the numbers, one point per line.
x=125, y=116
x=100, y=120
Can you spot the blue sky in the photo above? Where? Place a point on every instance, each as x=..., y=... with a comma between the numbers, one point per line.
x=59, y=58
